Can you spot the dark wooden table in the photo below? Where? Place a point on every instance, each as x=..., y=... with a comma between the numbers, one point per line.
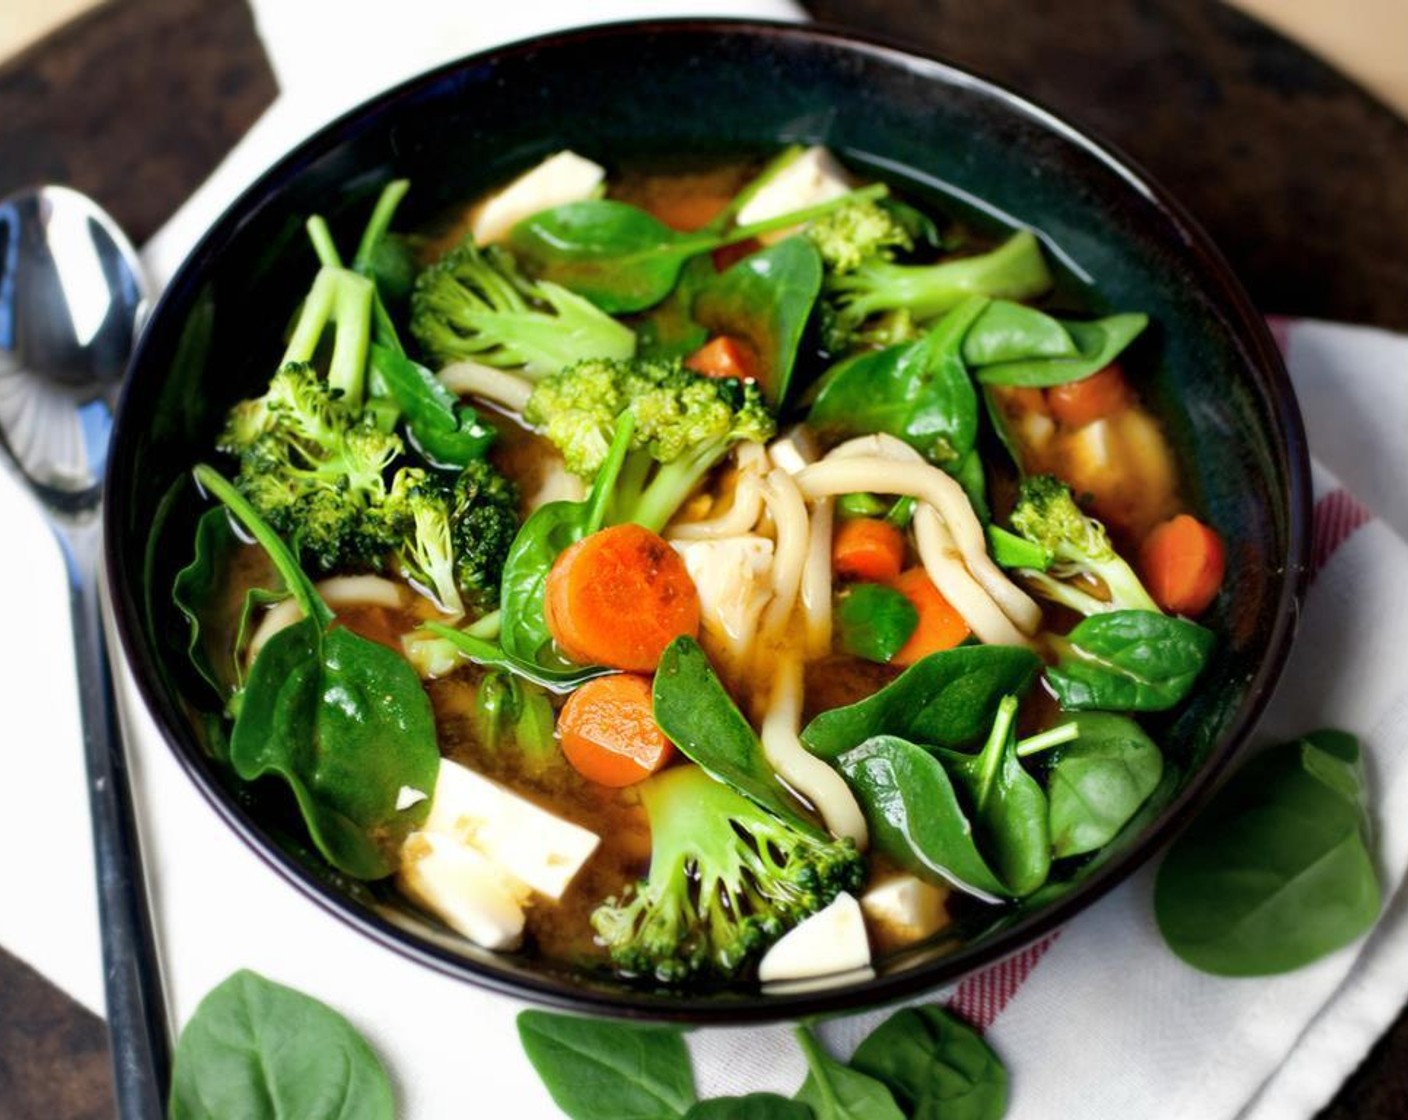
x=1299, y=176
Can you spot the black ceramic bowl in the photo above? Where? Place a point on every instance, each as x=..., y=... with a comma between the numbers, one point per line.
x=702, y=87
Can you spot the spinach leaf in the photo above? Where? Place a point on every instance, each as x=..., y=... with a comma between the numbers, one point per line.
x=342, y=719
x=449, y=434
x=669, y=330
x=1007, y=332
x=937, y=1067
x=1098, y=782
x=599, y=1070
x=1098, y=342
x=766, y=299
x=623, y=259
x=260, y=1051
x=694, y=709
x=947, y=699
x=1276, y=872
x=755, y=1106
x=837, y=1092
x=914, y=815
x=919, y=392
x=1135, y=661
x=524, y=638
x=1009, y=806
x=875, y=621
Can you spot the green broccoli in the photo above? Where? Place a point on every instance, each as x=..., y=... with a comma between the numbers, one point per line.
x=313, y=468
x=857, y=233
x=512, y=712
x=1047, y=515
x=475, y=304
x=684, y=424
x=1014, y=270
x=455, y=531
x=726, y=880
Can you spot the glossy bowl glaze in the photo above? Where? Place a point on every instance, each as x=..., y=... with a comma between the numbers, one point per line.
x=721, y=88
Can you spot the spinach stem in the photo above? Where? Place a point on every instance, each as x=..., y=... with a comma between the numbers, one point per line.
x=1044, y=740
x=379, y=223
x=994, y=748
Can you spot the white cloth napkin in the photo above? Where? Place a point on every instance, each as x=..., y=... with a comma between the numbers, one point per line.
x=1100, y=1022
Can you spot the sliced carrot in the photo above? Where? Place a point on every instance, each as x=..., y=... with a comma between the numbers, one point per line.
x=1183, y=562
x=1078, y=403
x=867, y=548
x=726, y=256
x=724, y=356
x=940, y=626
x=608, y=731
x=619, y=597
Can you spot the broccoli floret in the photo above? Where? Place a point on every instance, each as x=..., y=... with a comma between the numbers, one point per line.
x=684, y=424
x=1014, y=270
x=510, y=712
x=1047, y=515
x=857, y=233
x=455, y=531
x=313, y=468
x=475, y=304
x=726, y=880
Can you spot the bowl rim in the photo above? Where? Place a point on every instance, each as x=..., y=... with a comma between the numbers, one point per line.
x=1262, y=362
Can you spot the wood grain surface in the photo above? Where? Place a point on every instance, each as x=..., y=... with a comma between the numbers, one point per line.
x=1300, y=177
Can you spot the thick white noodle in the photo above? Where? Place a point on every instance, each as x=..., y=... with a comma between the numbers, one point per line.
x=799, y=768
x=944, y=565
x=557, y=484
x=789, y=515
x=471, y=379
x=887, y=474
x=816, y=580
x=340, y=591
x=741, y=516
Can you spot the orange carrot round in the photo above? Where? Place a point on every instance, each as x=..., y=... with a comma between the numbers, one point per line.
x=724, y=356
x=619, y=597
x=940, y=626
x=1078, y=403
x=867, y=548
x=608, y=731
x=1183, y=562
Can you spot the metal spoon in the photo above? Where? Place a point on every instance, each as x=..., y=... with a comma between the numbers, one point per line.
x=71, y=302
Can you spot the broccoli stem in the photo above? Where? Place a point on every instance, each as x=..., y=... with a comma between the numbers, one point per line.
x=667, y=491
x=323, y=244
x=213, y=482
x=379, y=223
x=795, y=218
x=344, y=299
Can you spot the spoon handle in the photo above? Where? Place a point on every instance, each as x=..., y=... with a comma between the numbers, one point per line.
x=136, y=1007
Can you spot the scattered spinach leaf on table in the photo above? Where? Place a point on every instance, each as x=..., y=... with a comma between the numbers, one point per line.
x=1134, y=661
x=341, y=719
x=834, y=1091
x=1098, y=782
x=755, y=1106
x=1009, y=805
x=947, y=699
x=600, y=1070
x=914, y=815
x=1277, y=871
x=875, y=621
x=261, y=1051
x=937, y=1067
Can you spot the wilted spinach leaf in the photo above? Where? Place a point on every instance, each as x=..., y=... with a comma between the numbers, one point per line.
x=1098, y=781
x=1135, y=661
x=1098, y=344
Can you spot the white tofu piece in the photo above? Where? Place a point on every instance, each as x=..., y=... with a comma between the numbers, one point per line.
x=831, y=940
x=532, y=845
x=559, y=179
x=907, y=907
x=469, y=893
x=733, y=576
x=795, y=449
x=813, y=177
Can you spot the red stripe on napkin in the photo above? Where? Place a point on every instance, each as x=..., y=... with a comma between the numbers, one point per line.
x=1338, y=515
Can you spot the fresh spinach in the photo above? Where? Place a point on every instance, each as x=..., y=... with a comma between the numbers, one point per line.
x=260, y=1051
x=341, y=719
x=919, y=392
x=914, y=815
x=937, y=1067
x=1007, y=332
x=1277, y=871
x=836, y=1092
x=1135, y=661
x=947, y=699
x=1098, y=782
x=1009, y=806
x=755, y=1106
x=875, y=621
x=448, y=433
x=766, y=299
x=623, y=259
x=599, y=1070
x=694, y=709
x=669, y=330
x=1098, y=344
